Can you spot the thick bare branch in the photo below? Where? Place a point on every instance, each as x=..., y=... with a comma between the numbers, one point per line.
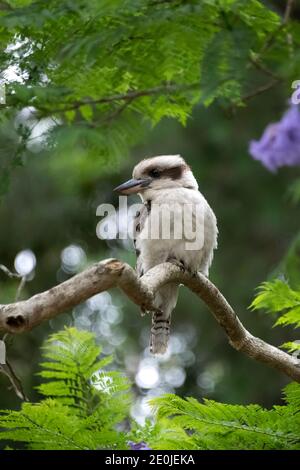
x=25, y=315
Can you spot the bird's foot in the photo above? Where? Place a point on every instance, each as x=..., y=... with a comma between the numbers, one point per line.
x=182, y=266
x=177, y=262
x=193, y=272
x=147, y=311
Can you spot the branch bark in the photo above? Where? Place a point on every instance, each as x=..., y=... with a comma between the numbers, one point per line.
x=25, y=315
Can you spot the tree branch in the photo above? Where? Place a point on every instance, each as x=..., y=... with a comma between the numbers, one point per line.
x=288, y=10
x=261, y=89
x=284, y=21
x=25, y=315
x=15, y=382
x=129, y=96
x=8, y=272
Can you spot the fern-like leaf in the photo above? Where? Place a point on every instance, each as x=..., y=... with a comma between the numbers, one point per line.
x=212, y=425
x=277, y=297
x=84, y=404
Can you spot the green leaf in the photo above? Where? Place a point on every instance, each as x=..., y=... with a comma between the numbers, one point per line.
x=224, y=65
x=277, y=297
x=70, y=115
x=292, y=347
x=86, y=112
x=83, y=402
x=291, y=264
x=212, y=425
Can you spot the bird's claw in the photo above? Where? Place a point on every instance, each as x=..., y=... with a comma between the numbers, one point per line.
x=179, y=263
x=154, y=311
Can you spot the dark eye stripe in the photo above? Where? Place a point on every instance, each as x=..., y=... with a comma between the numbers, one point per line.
x=174, y=173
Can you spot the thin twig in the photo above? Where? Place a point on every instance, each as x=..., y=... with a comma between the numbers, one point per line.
x=118, y=111
x=288, y=10
x=131, y=95
x=287, y=14
x=263, y=68
x=7, y=370
x=20, y=288
x=261, y=89
x=16, y=383
x=8, y=272
x=285, y=19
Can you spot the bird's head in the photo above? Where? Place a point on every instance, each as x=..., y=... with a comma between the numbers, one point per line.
x=157, y=173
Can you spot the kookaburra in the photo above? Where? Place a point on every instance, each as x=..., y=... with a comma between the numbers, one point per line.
x=167, y=181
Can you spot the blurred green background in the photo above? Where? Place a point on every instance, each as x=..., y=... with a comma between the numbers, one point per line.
x=49, y=208
x=56, y=57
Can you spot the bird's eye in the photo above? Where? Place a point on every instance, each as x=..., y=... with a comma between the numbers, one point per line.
x=154, y=173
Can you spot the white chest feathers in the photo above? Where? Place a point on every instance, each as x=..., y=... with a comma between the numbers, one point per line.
x=177, y=225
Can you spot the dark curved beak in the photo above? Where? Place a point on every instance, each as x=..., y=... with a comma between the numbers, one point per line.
x=133, y=186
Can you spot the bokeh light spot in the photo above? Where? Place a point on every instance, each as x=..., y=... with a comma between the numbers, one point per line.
x=72, y=258
x=147, y=376
x=25, y=262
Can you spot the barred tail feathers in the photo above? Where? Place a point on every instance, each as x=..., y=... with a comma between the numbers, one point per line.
x=165, y=301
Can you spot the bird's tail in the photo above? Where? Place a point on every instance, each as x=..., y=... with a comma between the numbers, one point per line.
x=165, y=301
x=160, y=333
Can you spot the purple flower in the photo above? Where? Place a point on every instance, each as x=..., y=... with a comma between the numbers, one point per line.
x=280, y=142
x=138, y=445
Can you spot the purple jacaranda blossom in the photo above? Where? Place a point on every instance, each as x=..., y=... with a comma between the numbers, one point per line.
x=138, y=445
x=280, y=142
